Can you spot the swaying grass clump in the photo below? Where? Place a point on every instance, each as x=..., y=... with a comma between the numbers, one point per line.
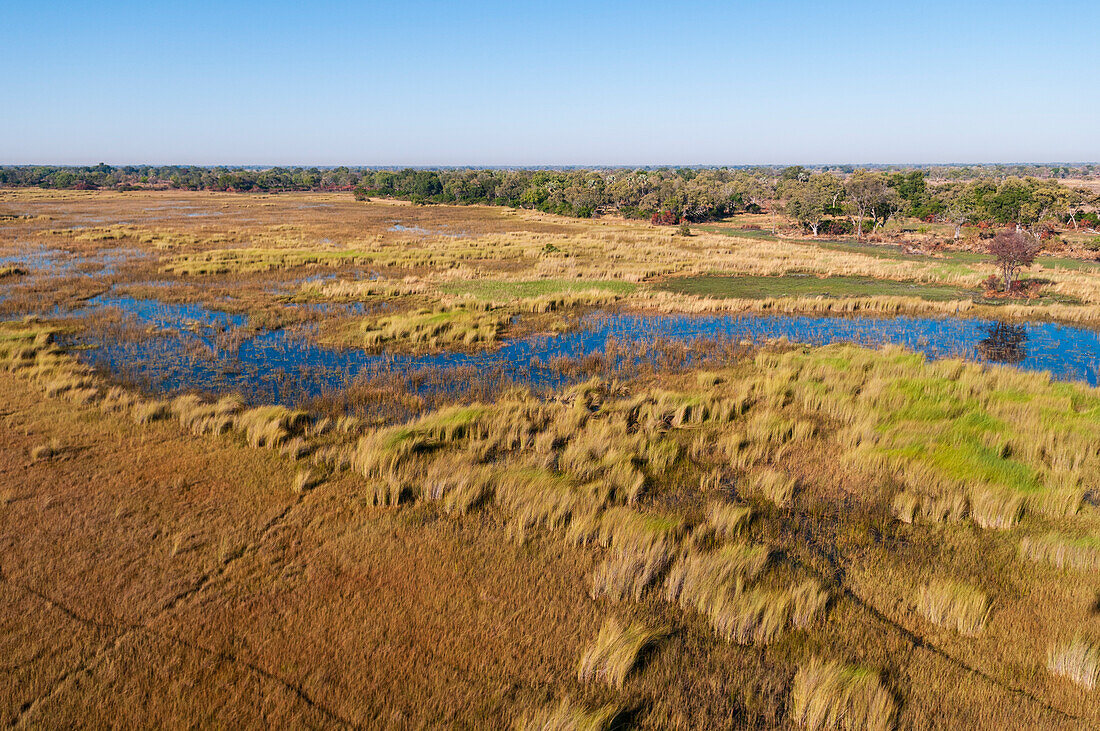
x=775, y=485
x=604, y=449
x=46, y=451
x=752, y=617
x=995, y=509
x=909, y=507
x=1063, y=551
x=567, y=716
x=700, y=580
x=146, y=412
x=643, y=546
x=829, y=695
x=629, y=572
x=271, y=426
x=1077, y=660
x=808, y=600
x=304, y=480
x=535, y=498
x=728, y=519
x=718, y=586
x=457, y=482
x=616, y=651
x=954, y=605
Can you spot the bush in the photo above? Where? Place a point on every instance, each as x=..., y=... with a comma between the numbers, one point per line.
x=836, y=227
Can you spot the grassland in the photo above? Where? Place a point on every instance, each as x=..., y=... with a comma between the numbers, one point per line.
x=210, y=247
x=750, y=287
x=836, y=537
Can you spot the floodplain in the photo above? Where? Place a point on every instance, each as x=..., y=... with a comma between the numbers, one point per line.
x=301, y=459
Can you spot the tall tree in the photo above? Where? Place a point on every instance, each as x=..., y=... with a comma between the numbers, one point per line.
x=1012, y=251
x=865, y=190
x=809, y=201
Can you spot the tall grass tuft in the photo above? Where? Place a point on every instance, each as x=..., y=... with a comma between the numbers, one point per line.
x=700, y=580
x=629, y=572
x=643, y=546
x=536, y=498
x=1077, y=660
x=616, y=651
x=996, y=509
x=808, y=600
x=909, y=507
x=756, y=616
x=728, y=519
x=566, y=716
x=954, y=605
x=828, y=695
x=304, y=480
x=775, y=485
x=458, y=483
x=1063, y=551
x=46, y=451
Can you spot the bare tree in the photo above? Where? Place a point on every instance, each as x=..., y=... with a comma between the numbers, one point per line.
x=1013, y=250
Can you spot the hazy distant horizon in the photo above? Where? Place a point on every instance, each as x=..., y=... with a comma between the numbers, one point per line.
x=562, y=166
x=427, y=83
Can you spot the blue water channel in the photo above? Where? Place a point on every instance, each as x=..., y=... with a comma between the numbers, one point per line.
x=187, y=347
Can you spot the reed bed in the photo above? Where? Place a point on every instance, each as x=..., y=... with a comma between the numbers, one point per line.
x=430, y=329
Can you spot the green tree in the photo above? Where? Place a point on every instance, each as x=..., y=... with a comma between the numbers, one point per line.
x=809, y=201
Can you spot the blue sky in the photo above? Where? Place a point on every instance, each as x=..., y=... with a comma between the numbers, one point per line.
x=525, y=83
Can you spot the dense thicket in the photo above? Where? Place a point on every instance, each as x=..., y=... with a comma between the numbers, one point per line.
x=855, y=199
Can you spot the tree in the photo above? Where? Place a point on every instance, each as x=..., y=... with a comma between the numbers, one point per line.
x=809, y=201
x=958, y=205
x=1012, y=251
x=885, y=207
x=866, y=191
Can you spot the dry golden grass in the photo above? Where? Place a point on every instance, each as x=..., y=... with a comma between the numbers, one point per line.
x=617, y=651
x=776, y=486
x=441, y=255
x=728, y=519
x=568, y=717
x=1062, y=551
x=829, y=695
x=1078, y=660
x=954, y=605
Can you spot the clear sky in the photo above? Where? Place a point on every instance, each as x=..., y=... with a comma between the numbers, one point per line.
x=565, y=82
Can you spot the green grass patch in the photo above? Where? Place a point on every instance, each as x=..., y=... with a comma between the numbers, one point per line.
x=758, y=287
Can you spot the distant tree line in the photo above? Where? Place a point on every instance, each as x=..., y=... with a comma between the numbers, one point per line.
x=830, y=200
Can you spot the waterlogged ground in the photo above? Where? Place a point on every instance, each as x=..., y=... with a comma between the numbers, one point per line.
x=188, y=347
x=136, y=261
x=700, y=536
